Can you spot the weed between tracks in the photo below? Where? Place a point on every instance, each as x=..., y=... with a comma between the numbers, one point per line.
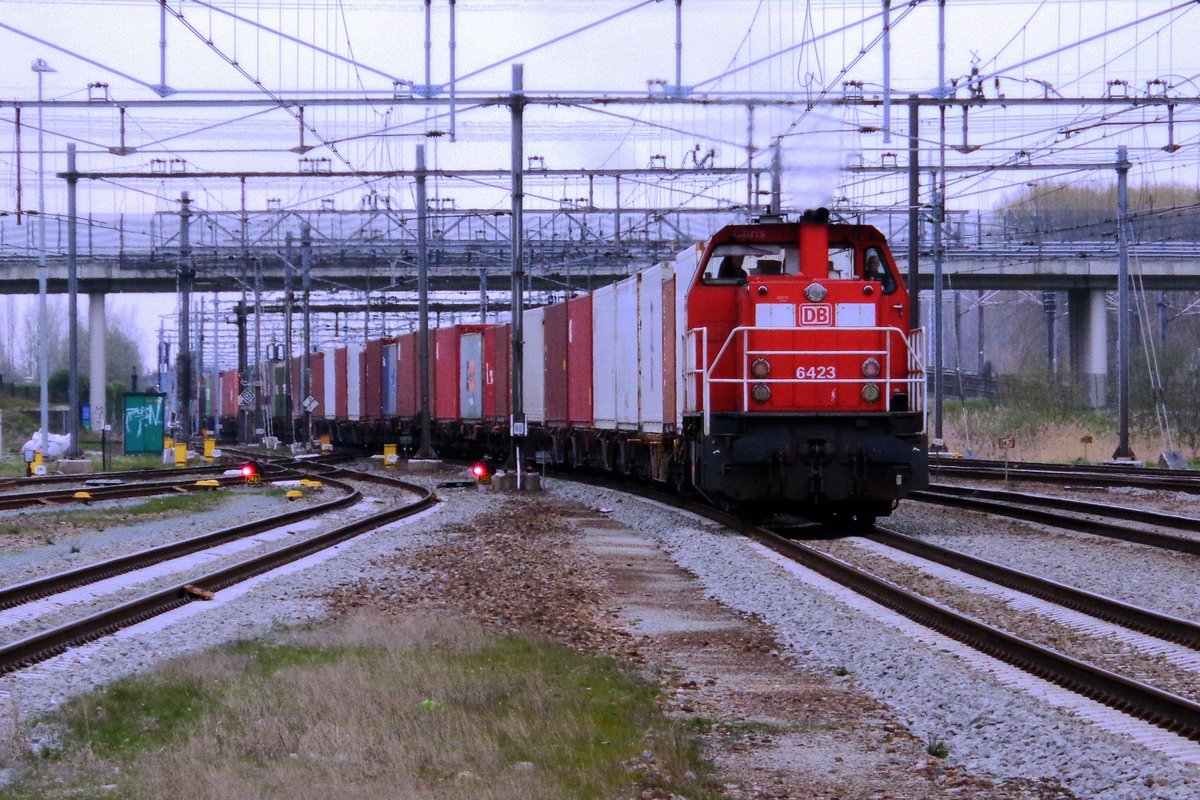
x=46, y=526
x=367, y=708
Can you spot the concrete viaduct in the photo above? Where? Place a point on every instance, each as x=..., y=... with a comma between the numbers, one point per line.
x=1084, y=270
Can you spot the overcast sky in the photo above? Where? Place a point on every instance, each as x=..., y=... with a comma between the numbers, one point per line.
x=805, y=50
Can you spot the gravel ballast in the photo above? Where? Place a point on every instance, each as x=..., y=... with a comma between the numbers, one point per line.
x=1162, y=580
x=283, y=597
x=985, y=725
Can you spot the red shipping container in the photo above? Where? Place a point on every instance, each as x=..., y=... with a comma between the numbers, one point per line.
x=229, y=393
x=497, y=397
x=340, y=391
x=579, y=362
x=362, y=383
x=504, y=372
x=297, y=385
x=555, y=349
x=316, y=382
x=372, y=397
x=445, y=373
x=446, y=398
x=489, y=373
x=407, y=390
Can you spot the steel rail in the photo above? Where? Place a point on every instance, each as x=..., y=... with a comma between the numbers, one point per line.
x=1111, y=530
x=1163, y=709
x=51, y=497
x=45, y=586
x=1162, y=481
x=937, y=461
x=129, y=474
x=1070, y=504
x=1164, y=626
x=47, y=644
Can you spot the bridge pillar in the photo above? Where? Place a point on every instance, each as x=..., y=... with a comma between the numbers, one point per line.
x=97, y=361
x=1089, y=344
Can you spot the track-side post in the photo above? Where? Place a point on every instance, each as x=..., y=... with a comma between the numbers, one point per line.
x=72, y=307
x=777, y=177
x=289, y=302
x=306, y=361
x=914, y=208
x=425, y=447
x=1123, y=450
x=183, y=389
x=518, y=424
x=243, y=365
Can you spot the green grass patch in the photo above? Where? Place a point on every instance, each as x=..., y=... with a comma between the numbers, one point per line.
x=172, y=504
x=140, y=461
x=418, y=707
x=14, y=465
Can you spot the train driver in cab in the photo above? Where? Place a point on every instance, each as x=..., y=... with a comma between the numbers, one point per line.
x=874, y=270
x=731, y=268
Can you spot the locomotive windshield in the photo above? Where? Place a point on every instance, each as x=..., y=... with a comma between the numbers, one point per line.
x=841, y=262
x=733, y=263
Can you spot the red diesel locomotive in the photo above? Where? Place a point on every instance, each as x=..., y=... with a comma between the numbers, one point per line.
x=772, y=371
x=808, y=390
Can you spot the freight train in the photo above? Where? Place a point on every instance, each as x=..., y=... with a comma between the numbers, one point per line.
x=772, y=369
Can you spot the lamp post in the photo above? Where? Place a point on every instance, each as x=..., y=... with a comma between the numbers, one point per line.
x=41, y=68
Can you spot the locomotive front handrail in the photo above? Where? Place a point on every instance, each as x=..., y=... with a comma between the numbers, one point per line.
x=914, y=380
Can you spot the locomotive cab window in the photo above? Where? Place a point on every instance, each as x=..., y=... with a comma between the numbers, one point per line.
x=841, y=262
x=732, y=264
x=875, y=268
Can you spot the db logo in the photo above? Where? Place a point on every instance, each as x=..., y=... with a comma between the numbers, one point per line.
x=815, y=315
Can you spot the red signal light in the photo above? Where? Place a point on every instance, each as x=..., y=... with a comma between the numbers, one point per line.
x=250, y=473
x=483, y=471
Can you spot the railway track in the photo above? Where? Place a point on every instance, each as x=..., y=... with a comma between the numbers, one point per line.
x=1047, y=510
x=40, y=646
x=1163, y=626
x=1135, y=698
x=1091, y=475
x=54, y=497
x=128, y=474
x=26, y=591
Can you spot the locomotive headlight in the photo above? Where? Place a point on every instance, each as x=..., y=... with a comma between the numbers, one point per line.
x=870, y=392
x=816, y=292
x=870, y=368
x=761, y=368
x=761, y=393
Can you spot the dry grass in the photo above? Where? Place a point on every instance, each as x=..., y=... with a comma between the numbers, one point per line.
x=977, y=429
x=417, y=707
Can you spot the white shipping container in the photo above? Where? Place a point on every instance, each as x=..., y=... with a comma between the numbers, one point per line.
x=534, y=367
x=628, y=333
x=604, y=358
x=328, y=405
x=650, y=355
x=353, y=381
